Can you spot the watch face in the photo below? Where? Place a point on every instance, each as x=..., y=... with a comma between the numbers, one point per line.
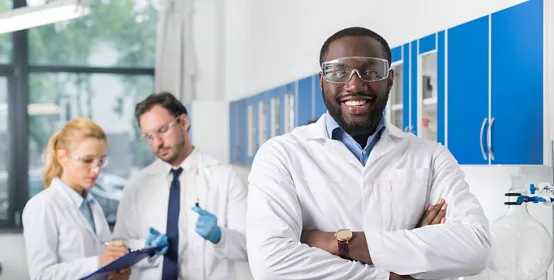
x=344, y=235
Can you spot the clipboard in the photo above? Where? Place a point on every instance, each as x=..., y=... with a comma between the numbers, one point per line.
x=124, y=261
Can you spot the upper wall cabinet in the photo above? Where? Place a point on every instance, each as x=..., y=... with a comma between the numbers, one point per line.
x=495, y=116
x=516, y=116
x=468, y=90
x=237, y=124
x=430, y=87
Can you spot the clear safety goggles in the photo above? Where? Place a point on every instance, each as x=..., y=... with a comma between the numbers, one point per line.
x=368, y=69
x=91, y=162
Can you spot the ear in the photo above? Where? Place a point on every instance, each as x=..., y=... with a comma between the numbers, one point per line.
x=391, y=79
x=185, y=122
x=320, y=79
x=61, y=156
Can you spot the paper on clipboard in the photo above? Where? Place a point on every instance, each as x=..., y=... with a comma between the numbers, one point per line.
x=123, y=262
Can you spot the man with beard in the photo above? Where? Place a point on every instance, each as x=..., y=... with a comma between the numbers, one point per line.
x=345, y=197
x=186, y=201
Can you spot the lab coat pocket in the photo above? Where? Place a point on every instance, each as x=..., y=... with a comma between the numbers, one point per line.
x=409, y=196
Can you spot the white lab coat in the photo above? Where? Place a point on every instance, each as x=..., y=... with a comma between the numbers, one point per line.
x=219, y=190
x=59, y=240
x=304, y=180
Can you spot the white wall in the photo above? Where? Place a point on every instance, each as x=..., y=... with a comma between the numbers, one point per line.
x=286, y=35
x=209, y=133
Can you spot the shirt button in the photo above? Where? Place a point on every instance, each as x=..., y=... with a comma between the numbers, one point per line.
x=364, y=152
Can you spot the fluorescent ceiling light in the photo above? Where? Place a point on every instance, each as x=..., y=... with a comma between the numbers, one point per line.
x=28, y=17
x=35, y=109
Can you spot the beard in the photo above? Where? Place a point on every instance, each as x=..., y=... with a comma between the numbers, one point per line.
x=355, y=128
x=174, y=153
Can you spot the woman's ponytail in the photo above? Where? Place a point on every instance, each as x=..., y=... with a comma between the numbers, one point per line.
x=52, y=168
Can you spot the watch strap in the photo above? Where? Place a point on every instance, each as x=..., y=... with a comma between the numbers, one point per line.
x=343, y=249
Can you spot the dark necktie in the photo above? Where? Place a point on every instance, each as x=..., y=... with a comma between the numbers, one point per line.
x=171, y=259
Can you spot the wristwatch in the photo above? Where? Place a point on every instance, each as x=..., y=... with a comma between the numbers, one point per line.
x=343, y=236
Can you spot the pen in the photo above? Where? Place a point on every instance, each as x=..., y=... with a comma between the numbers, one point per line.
x=197, y=203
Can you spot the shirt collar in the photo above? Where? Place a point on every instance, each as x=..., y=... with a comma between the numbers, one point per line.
x=75, y=196
x=331, y=126
x=188, y=164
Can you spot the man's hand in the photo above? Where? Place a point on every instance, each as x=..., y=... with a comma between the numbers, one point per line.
x=394, y=276
x=123, y=274
x=434, y=215
x=206, y=226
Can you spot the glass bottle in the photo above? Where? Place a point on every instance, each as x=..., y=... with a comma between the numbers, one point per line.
x=521, y=245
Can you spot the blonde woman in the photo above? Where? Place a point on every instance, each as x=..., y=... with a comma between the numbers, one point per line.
x=64, y=227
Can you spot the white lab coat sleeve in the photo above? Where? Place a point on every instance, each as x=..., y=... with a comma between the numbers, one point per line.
x=274, y=226
x=128, y=226
x=232, y=244
x=460, y=247
x=41, y=235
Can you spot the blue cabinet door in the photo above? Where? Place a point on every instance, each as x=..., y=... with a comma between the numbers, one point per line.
x=241, y=131
x=441, y=58
x=468, y=90
x=517, y=84
x=305, y=101
x=233, y=132
x=251, y=128
x=319, y=105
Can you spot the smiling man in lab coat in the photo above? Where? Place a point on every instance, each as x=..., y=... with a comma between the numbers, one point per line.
x=341, y=198
x=185, y=199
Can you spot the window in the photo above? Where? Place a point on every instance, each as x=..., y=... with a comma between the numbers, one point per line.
x=428, y=96
x=97, y=66
x=289, y=112
x=107, y=99
x=115, y=33
x=4, y=148
x=5, y=39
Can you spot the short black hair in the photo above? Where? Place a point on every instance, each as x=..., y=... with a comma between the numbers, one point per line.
x=355, y=32
x=164, y=99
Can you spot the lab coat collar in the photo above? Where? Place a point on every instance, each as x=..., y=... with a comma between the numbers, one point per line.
x=75, y=196
x=197, y=159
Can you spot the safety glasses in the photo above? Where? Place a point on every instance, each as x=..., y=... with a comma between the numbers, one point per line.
x=368, y=69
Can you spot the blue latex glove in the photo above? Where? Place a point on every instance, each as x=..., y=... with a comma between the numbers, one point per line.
x=206, y=226
x=155, y=239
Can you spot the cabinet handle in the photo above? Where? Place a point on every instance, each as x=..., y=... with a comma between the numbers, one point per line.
x=481, y=138
x=489, y=139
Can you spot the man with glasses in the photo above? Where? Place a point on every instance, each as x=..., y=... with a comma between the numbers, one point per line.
x=348, y=196
x=186, y=201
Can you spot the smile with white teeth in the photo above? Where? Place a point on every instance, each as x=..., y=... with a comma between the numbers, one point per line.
x=355, y=102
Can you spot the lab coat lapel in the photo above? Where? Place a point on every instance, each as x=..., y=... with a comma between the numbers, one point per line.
x=317, y=132
x=100, y=223
x=338, y=148
x=73, y=209
x=388, y=141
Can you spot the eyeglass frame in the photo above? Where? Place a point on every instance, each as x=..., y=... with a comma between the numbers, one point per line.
x=356, y=70
x=148, y=137
x=101, y=163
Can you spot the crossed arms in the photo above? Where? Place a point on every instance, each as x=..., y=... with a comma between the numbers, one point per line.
x=274, y=230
